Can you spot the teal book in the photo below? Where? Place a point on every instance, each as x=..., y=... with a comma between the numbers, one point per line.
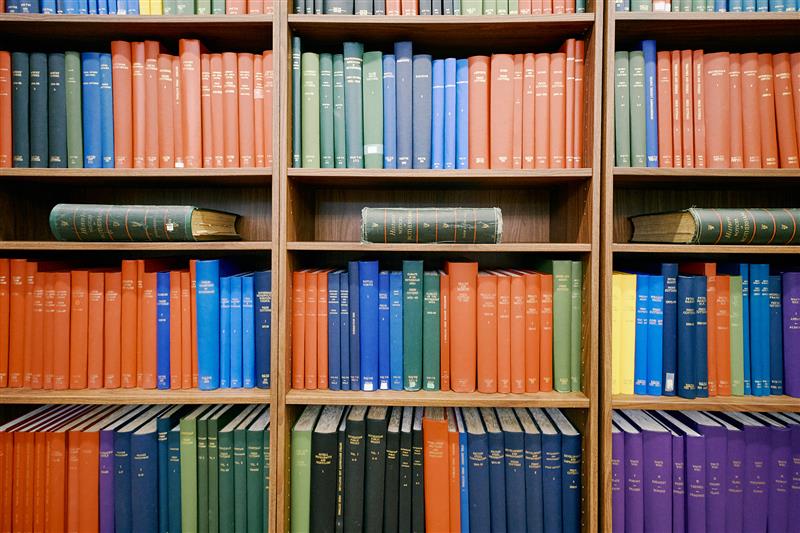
x=217, y=6
x=39, y=155
x=240, y=469
x=373, y=109
x=431, y=326
x=642, y=5
x=203, y=7
x=489, y=7
x=310, y=110
x=326, y=141
x=255, y=471
x=339, y=145
x=575, y=332
x=622, y=115
x=57, y=112
x=637, y=105
x=203, y=500
x=353, y=104
x=20, y=119
x=412, y=324
x=72, y=61
x=185, y=7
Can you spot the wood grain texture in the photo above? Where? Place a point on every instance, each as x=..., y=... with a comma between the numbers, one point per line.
x=333, y=246
x=438, y=398
x=136, y=396
x=214, y=177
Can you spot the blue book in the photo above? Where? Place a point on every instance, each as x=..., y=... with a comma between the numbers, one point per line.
x=777, y=6
x=112, y=7
x=166, y=421
x=720, y=6
x=344, y=331
x=735, y=6
x=368, y=293
x=71, y=7
x=12, y=6
x=144, y=477
x=422, y=110
x=749, y=6
x=650, y=102
x=133, y=7
x=701, y=336
x=334, y=366
x=235, y=332
x=552, y=483
x=775, y=336
x=759, y=330
x=102, y=7
x=655, y=336
x=744, y=271
x=462, y=113
x=686, y=383
x=106, y=112
x=29, y=6
x=405, y=100
x=396, y=329
x=174, y=477
x=514, y=454
x=91, y=7
x=480, y=518
x=225, y=332
x=463, y=470
x=48, y=7
x=83, y=7
x=248, y=332
x=384, y=343
x=354, y=328
x=450, y=110
x=669, y=340
x=262, y=286
x=162, y=330
x=762, y=6
x=90, y=94
x=437, y=114
x=791, y=5
x=389, y=112
x=207, y=277
x=640, y=353
x=534, y=510
x=497, y=470
x=571, y=460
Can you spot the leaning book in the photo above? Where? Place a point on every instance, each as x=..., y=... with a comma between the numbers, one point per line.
x=455, y=225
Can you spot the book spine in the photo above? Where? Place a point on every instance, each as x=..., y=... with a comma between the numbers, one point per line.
x=642, y=313
x=20, y=98
x=651, y=101
x=405, y=99
x=230, y=109
x=450, y=113
x=326, y=105
x=368, y=309
x=701, y=351
x=717, y=83
x=775, y=336
x=501, y=111
x=6, y=144
x=396, y=298
x=354, y=116
x=353, y=278
x=634, y=476
x=384, y=342
x=412, y=324
x=235, y=332
x=355, y=448
x=218, y=103
x=430, y=331
x=655, y=336
x=657, y=473
x=558, y=117
x=791, y=333
x=339, y=132
x=334, y=327
x=638, y=109
x=38, y=110
x=669, y=346
x=766, y=110
x=478, y=112
x=372, y=95
x=79, y=328
x=189, y=50
x=151, y=148
x=324, y=462
x=622, y=117
x=504, y=336
x=310, y=110
x=618, y=482
x=389, y=111
x=208, y=326
x=462, y=113
x=664, y=106
x=784, y=111
x=144, y=482
x=488, y=359
x=106, y=112
x=437, y=114
x=675, y=95
x=422, y=87
x=344, y=331
x=444, y=225
x=687, y=322
x=375, y=473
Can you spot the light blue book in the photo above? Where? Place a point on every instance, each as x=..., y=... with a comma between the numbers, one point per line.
x=640, y=353
x=248, y=332
x=450, y=110
x=437, y=124
x=462, y=114
x=224, y=332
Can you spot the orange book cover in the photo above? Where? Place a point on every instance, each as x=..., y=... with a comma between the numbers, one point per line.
x=558, y=101
x=517, y=333
x=217, y=120
x=122, y=87
x=48, y=349
x=151, y=151
x=737, y=152
x=258, y=109
x=55, y=518
x=79, y=329
x=723, y=335
x=501, y=111
x=784, y=111
x=577, y=114
x=112, y=330
x=190, y=102
x=255, y=7
x=230, y=106
x=687, y=99
x=463, y=315
x=503, y=333
x=138, y=106
x=392, y=7
x=23, y=481
x=298, y=329
x=186, y=331
x=6, y=480
x=444, y=330
x=236, y=7
x=794, y=59
x=177, y=112
x=322, y=330
x=246, y=111
x=525, y=7
x=546, y=334
x=73, y=487
x=664, y=97
x=559, y=6
x=139, y=322
x=454, y=470
x=751, y=121
x=698, y=82
x=61, y=331
x=37, y=332
x=206, y=117
x=5, y=319
x=541, y=125
x=16, y=344
x=717, y=85
x=478, y=112
x=149, y=316
x=528, y=99
x=95, y=330
x=269, y=9
x=175, y=331
x=5, y=110
x=711, y=321
x=166, y=128
x=269, y=86
x=193, y=302
x=516, y=134
x=28, y=339
x=766, y=112
x=89, y=481
x=409, y=7
x=310, y=344
x=569, y=91
x=675, y=94
x=39, y=478
x=533, y=289
x=436, y=467
x=487, y=332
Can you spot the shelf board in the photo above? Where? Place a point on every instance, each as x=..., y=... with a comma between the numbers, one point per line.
x=351, y=177
x=621, y=17
x=437, y=398
x=718, y=403
x=739, y=176
x=138, y=176
x=126, y=396
x=331, y=246
x=637, y=248
x=181, y=247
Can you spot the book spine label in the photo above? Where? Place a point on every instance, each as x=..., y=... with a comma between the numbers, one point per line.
x=450, y=225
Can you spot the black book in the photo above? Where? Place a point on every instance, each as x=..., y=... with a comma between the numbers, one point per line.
x=425, y=7
x=339, y=7
x=392, y=478
x=363, y=7
x=375, y=470
x=417, y=475
x=56, y=112
x=299, y=6
x=341, y=438
x=436, y=7
x=38, y=110
x=324, y=469
x=355, y=449
x=20, y=96
x=379, y=7
x=404, y=496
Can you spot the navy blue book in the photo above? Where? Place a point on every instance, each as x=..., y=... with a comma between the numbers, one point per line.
x=48, y=7
x=497, y=469
x=57, y=112
x=642, y=314
x=355, y=323
x=437, y=114
x=174, y=477
x=368, y=293
x=248, y=332
x=166, y=421
x=29, y=6
x=514, y=453
x=235, y=335
x=552, y=483
x=570, y=471
x=20, y=118
x=775, y=336
x=162, y=330
x=396, y=329
x=72, y=7
x=344, y=331
x=405, y=103
x=106, y=112
x=462, y=113
x=687, y=321
x=224, y=331
x=422, y=112
x=701, y=336
x=480, y=516
x=384, y=369
x=38, y=110
x=650, y=102
x=759, y=330
x=669, y=340
x=144, y=477
x=389, y=112
x=90, y=94
x=450, y=113
x=262, y=286
x=334, y=366
x=12, y=6
x=534, y=510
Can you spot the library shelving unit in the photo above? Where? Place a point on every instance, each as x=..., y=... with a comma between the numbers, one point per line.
x=632, y=191
x=27, y=195
x=547, y=213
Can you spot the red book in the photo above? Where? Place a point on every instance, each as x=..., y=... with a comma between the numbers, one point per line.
x=516, y=135
x=409, y=7
x=16, y=345
x=533, y=289
x=61, y=331
x=528, y=99
x=664, y=87
x=175, y=331
x=193, y=311
x=217, y=120
x=258, y=109
x=524, y=7
x=536, y=7
x=255, y=7
x=322, y=330
x=79, y=329
x=766, y=112
x=503, y=332
x=310, y=345
x=444, y=330
x=246, y=111
x=794, y=59
x=737, y=151
x=558, y=101
x=501, y=111
x=186, y=331
x=94, y=357
x=677, y=123
x=112, y=322
x=487, y=332
x=139, y=110
x=436, y=467
x=298, y=329
x=698, y=81
x=177, y=112
x=784, y=111
x=269, y=86
x=149, y=316
x=392, y=7
x=236, y=7
x=723, y=335
x=687, y=106
x=559, y=6
x=151, y=152
x=5, y=110
x=37, y=332
x=47, y=330
x=166, y=126
x=580, y=68
x=717, y=86
x=541, y=126
x=190, y=102
x=478, y=112
x=517, y=333
x=122, y=87
x=463, y=298
x=28, y=339
x=569, y=90
x=546, y=334
x=139, y=322
x=751, y=121
x=129, y=312
x=230, y=106
x=205, y=111
x=4, y=320
x=547, y=7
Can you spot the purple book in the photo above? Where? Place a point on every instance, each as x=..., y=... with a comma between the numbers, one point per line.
x=779, y=472
x=677, y=431
x=756, y=469
x=617, y=480
x=792, y=421
x=734, y=504
x=791, y=334
x=634, y=474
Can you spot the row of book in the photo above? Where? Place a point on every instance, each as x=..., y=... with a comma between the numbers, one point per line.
x=435, y=469
x=699, y=330
x=139, y=7
x=455, y=329
x=149, y=324
x=136, y=468
x=709, y=6
x=691, y=109
x=368, y=109
x=439, y=7
x=136, y=107
x=704, y=471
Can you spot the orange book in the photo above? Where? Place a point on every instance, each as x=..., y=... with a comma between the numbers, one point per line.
x=580, y=69
x=664, y=97
x=5, y=110
x=322, y=330
x=436, y=466
x=723, y=335
x=175, y=331
x=138, y=106
x=39, y=478
x=149, y=316
x=89, y=481
x=751, y=121
x=687, y=97
x=569, y=91
x=501, y=111
x=112, y=330
x=216, y=119
x=190, y=102
x=717, y=86
x=558, y=101
x=269, y=9
x=48, y=349
x=503, y=332
x=463, y=298
x=533, y=289
x=698, y=81
x=246, y=111
x=61, y=331
x=177, y=112
x=310, y=344
x=784, y=111
x=4, y=320
x=298, y=329
x=677, y=125
x=559, y=6
x=236, y=7
x=409, y=7
x=205, y=100
x=524, y=7
x=546, y=334
x=55, y=518
x=37, y=332
x=766, y=112
x=23, y=481
x=528, y=99
x=454, y=470
x=139, y=322
x=516, y=134
x=392, y=7
x=166, y=96
x=269, y=86
x=79, y=329
x=547, y=7
x=122, y=87
x=541, y=125
x=28, y=339
x=193, y=304
x=95, y=330
x=478, y=112
x=258, y=109
x=151, y=151
x=186, y=331
x=444, y=330
x=487, y=332
x=737, y=152
x=794, y=59
x=230, y=105
x=517, y=333
x=255, y=7
x=16, y=344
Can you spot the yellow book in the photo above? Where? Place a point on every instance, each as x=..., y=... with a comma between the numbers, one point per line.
x=616, y=333
x=627, y=321
x=144, y=7
x=156, y=7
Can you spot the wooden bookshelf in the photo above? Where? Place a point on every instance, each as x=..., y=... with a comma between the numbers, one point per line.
x=633, y=191
x=122, y=396
x=206, y=177
x=438, y=398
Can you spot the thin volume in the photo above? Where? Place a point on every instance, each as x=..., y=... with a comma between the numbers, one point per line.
x=478, y=112
x=698, y=80
x=569, y=90
x=516, y=136
x=718, y=125
x=558, y=102
x=5, y=110
x=151, y=150
x=206, y=111
x=189, y=50
x=737, y=149
x=166, y=95
x=258, y=109
x=230, y=106
x=542, y=113
x=751, y=121
x=766, y=112
x=664, y=84
x=217, y=112
x=687, y=108
x=784, y=111
x=269, y=90
x=246, y=112
x=528, y=110
x=177, y=112
x=501, y=111
x=138, y=91
x=580, y=72
x=675, y=109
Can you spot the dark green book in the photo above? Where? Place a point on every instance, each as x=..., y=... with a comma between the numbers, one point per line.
x=326, y=142
x=218, y=7
x=324, y=467
x=576, y=325
x=638, y=130
x=219, y=420
x=240, y=474
x=297, y=97
x=392, y=476
x=341, y=440
x=255, y=471
x=354, y=462
x=404, y=487
x=339, y=144
x=353, y=108
x=72, y=62
x=20, y=120
x=267, y=455
x=375, y=469
x=56, y=112
x=417, y=474
x=189, y=511
x=226, y=471
x=412, y=324
x=202, y=470
x=461, y=225
x=184, y=7
x=431, y=326
x=310, y=109
x=561, y=271
x=39, y=153
x=373, y=109
x=622, y=114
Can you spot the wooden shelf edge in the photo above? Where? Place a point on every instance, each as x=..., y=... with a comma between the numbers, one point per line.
x=59, y=246
x=694, y=173
x=38, y=18
x=131, y=396
x=407, y=178
x=438, y=398
x=637, y=248
x=451, y=20
x=632, y=16
x=718, y=403
x=152, y=176
x=334, y=246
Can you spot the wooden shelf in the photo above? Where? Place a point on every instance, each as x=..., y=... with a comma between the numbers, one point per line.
x=226, y=177
x=437, y=398
x=439, y=248
x=623, y=17
x=637, y=248
x=178, y=247
x=738, y=176
x=123, y=396
x=718, y=403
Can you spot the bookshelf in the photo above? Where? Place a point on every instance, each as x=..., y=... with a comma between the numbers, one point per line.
x=631, y=191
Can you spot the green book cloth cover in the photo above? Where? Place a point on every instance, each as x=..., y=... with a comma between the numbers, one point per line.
x=642, y=5
x=203, y=7
x=622, y=115
x=637, y=105
x=255, y=472
x=353, y=104
x=490, y=7
x=310, y=109
x=501, y=7
x=72, y=61
x=737, y=337
x=188, y=426
x=430, y=331
x=300, y=508
x=219, y=420
x=202, y=473
x=562, y=311
x=339, y=145
x=576, y=330
x=240, y=473
x=472, y=7
x=373, y=109
x=412, y=324
x=185, y=7
x=326, y=142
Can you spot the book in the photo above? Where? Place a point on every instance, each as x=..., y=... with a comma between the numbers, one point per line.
x=456, y=225
x=354, y=134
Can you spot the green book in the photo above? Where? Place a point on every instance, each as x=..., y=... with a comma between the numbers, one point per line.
x=326, y=110
x=255, y=471
x=202, y=470
x=297, y=96
x=353, y=105
x=373, y=109
x=737, y=337
x=686, y=6
x=561, y=271
x=226, y=470
x=266, y=461
x=513, y=7
x=431, y=326
x=638, y=150
x=622, y=116
x=203, y=7
x=490, y=7
x=240, y=473
x=412, y=324
x=300, y=509
x=501, y=7
x=576, y=330
x=472, y=7
x=72, y=62
x=188, y=427
x=339, y=148
x=169, y=7
x=217, y=7
x=218, y=420
x=185, y=7
x=310, y=109
x=699, y=5
x=642, y=5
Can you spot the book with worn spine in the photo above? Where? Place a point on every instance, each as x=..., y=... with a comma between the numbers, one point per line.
x=457, y=225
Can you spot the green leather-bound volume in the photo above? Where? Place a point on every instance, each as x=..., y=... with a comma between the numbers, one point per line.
x=575, y=323
x=339, y=144
x=460, y=225
x=353, y=107
x=72, y=61
x=642, y=5
x=39, y=154
x=637, y=104
x=219, y=420
x=226, y=470
x=240, y=473
x=501, y=7
x=301, y=469
x=326, y=111
x=20, y=108
x=431, y=325
x=373, y=109
x=310, y=110
x=56, y=111
x=513, y=7
x=203, y=496
x=622, y=115
x=265, y=494
x=412, y=324
x=737, y=337
x=489, y=7
x=255, y=472
x=561, y=271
